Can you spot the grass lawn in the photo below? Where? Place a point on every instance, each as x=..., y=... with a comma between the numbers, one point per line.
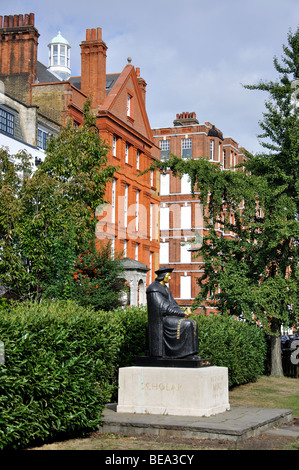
x=268, y=392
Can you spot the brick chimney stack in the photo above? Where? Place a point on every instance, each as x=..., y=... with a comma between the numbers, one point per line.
x=18, y=54
x=93, y=66
x=142, y=84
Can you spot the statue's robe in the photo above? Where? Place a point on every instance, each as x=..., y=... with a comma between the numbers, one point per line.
x=170, y=334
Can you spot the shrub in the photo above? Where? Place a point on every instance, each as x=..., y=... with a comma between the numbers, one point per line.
x=133, y=321
x=234, y=344
x=59, y=366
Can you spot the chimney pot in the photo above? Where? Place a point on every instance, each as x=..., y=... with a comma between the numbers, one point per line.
x=88, y=34
x=99, y=33
x=93, y=34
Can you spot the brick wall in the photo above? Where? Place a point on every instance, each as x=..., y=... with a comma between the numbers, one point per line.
x=18, y=54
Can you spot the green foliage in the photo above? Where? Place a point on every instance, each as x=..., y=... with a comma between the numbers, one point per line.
x=47, y=219
x=234, y=344
x=58, y=374
x=133, y=322
x=98, y=278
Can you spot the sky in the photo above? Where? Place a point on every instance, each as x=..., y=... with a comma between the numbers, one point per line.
x=195, y=55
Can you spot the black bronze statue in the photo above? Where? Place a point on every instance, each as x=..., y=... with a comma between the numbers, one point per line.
x=171, y=334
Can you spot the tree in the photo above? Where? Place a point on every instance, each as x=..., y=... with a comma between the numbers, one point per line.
x=47, y=218
x=97, y=277
x=279, y=169
x=254, y=274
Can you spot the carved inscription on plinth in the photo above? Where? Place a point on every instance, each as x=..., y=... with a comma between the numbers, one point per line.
x=161, y=387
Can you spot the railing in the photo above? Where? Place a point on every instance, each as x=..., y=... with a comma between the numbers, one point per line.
x=290, y=362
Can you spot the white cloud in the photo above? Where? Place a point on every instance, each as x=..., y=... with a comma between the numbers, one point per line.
x=193, y=54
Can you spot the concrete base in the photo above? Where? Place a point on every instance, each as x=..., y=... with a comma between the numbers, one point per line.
x=173, y=391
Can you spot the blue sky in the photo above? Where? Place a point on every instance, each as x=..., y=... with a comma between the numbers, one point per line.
x=194, y=54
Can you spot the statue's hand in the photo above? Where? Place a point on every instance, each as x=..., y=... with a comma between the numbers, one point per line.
x=188, y=312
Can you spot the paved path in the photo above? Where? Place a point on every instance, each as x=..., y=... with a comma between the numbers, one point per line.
x=237, y=423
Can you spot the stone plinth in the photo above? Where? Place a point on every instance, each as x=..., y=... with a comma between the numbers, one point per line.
x=173, y=391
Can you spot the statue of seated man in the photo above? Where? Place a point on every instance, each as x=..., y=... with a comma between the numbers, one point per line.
x=171, y=333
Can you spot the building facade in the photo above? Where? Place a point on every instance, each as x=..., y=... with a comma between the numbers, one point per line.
x=50, y=95
x=181, y=214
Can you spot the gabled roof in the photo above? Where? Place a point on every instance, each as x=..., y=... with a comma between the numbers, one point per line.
x=117, y=85
x=127, y=82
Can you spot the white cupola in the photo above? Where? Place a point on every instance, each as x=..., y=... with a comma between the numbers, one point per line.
x=59, y=57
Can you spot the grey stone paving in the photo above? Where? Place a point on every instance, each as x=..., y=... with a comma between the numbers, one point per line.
x=237, y=423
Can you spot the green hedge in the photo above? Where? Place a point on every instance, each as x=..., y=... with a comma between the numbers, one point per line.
x=58, y=373
x=234, y=344
x=133, y=321
x=61, y=364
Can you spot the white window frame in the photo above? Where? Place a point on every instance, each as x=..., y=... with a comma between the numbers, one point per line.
x=129, y=104
x=136, y=251
x=186, y=217
x=113, y=199
x=185, y=287
x=164, y=252
x=126, y=205
x=164, y=184
x=212, y=149
x=151, y=220
x=152, y=178
x=114, y=145
x=185, y=253
x=137, y=209
x=164, y=218
x=165, y=148
x=185, y=184
x=112, y=247
x=186, y=144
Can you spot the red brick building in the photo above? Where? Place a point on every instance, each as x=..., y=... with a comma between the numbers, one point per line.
x=181, y=215
x=119, y=104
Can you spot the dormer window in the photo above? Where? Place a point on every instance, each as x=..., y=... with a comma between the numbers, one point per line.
x=6, y=122
x=42, y=139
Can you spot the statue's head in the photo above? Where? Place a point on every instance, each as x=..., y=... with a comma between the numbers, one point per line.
x=163, y=274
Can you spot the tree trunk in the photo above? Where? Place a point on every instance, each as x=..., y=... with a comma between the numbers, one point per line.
x=276, y=361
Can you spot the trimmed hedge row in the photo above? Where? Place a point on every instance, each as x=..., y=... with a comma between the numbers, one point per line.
x=61, y=364
x=234, y=344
